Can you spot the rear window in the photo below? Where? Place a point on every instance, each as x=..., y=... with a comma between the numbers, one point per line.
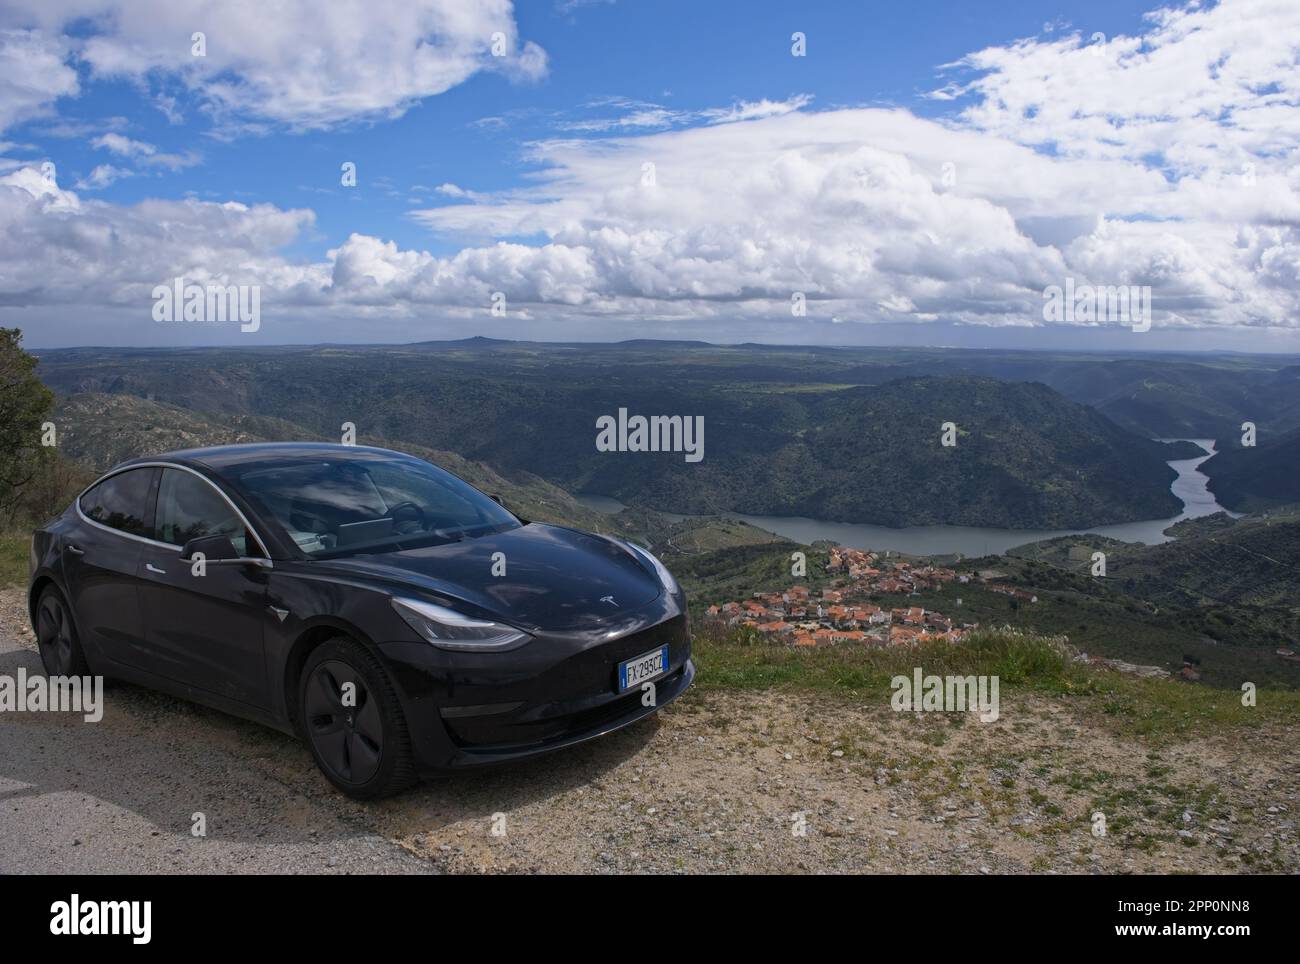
x=122, y=502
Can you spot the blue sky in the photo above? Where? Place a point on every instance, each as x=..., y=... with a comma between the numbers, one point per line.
x=1161, y=157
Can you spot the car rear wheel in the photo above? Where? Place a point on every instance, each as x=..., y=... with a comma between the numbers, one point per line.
x=352, y=719
x=56, y=637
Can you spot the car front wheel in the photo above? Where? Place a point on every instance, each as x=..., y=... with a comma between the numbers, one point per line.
x=353, y=722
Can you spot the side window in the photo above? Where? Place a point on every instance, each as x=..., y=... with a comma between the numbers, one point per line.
x=190, y=508
x=122, y=502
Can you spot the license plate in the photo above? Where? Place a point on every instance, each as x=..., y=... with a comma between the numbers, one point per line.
x=633, y=672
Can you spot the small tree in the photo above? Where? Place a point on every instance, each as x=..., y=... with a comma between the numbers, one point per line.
x=55, y=483
x=25, y=406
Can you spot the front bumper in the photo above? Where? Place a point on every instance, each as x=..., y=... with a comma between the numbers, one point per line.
x=470, y=709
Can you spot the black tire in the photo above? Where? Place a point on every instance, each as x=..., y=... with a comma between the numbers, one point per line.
x=363, y=749
x=56, y=636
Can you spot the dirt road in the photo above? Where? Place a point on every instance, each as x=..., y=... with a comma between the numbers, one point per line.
x=719, y=782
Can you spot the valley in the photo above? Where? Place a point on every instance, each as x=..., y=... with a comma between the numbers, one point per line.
x=855, y=435
x=1189, y=486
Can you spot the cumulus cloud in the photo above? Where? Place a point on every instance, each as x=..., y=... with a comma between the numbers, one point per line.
x=875, y=215
x=33, y=75
x=1206, y=88
x=296, y=62
x=1167, y=158
x=57, y=248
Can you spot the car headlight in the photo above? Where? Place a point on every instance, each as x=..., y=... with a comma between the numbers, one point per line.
x=448, y=629
x=660, y=569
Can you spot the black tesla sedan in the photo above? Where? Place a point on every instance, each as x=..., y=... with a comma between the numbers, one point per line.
x=398, y=619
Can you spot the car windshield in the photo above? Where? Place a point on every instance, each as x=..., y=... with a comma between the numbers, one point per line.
x=367, y=502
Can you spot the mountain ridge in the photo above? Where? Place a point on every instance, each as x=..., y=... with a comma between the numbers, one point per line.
x=1026, y=457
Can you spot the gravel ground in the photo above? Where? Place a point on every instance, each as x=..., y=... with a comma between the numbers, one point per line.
x=119, y=796
x=717, y=782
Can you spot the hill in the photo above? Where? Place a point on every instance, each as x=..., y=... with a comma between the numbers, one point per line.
x=1164, y=395
x=783, y=437
x=99, y=431
x=1023, y=453
x=1024, y=456
x=1224, y=591
x=1262, y=477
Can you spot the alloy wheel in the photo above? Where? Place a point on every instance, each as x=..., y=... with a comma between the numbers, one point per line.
x=343, y=722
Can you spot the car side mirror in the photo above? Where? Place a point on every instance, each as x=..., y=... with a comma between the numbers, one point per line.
x=214, y=549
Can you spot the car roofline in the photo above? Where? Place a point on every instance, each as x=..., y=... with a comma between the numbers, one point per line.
x=211, y=458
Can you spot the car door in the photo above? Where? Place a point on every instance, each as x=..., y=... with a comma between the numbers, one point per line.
x=203, y=625
x=101, y=557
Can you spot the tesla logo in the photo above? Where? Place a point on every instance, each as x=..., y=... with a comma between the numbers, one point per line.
x=610, y=600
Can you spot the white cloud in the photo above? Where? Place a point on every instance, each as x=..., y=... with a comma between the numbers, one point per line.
x=146, y=155
x=851, y=207
x=648, y=116
x=641, y=115
x=295, y=62
x=125, y=146
x=33, y=75
x=876, y=215
x=451, y=190
x=102, y=176
x=78, y=130
x=1207, y=87
x=56, y=248
x=753, y=110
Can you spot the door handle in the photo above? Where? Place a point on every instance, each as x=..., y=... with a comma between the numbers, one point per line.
x=152, y=568
x=76, y=550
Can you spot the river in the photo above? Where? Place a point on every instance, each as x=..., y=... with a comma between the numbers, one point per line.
x=1189, y=486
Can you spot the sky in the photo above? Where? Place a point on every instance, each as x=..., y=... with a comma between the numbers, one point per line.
x=828, y=173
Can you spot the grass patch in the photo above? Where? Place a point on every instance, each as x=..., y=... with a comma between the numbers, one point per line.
x=14, y=549
x=1171, y=707
x=741, y=660
x=1168, y=708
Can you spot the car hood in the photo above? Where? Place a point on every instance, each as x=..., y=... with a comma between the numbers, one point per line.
x=555, y=578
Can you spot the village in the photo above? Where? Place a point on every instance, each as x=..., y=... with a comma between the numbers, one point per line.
x=840, y=613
